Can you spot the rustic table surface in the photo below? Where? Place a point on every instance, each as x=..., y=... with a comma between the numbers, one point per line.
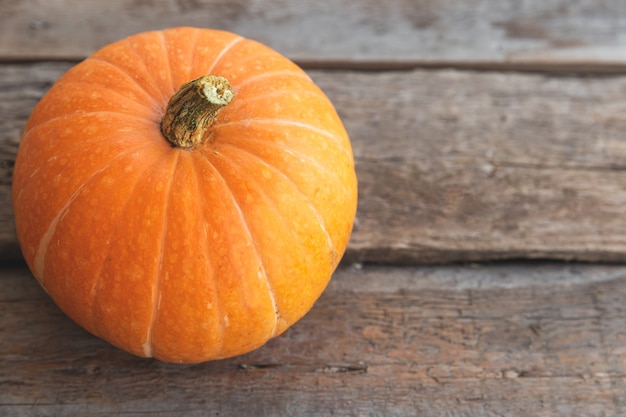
x=486, y=275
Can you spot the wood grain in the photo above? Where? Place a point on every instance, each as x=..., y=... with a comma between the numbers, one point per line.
x=452, y=165
x=542, y=340
x=477, y=33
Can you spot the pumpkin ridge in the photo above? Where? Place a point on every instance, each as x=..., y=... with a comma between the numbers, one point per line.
x=164, y=97
x=269, y=197
x=291, y=182
x=223, y=52
x=290, y=151
x=65, y=116
x=266, y=96
x=129, y=76
x=260, y=53
x=217, y=302
x=248, y=230
x=90, y=86
x=266, y=75
x=89, y=142
x=203, y=65
x=166, y=55
x=192, y=49
x=98, y=283
x=148, y=346
x=42, y=247
x=287, y=122
x=180, y=74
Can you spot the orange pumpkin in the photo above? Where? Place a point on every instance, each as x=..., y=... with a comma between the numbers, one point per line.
x=190, y=225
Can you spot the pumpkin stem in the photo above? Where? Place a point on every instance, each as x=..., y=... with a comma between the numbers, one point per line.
x=191, y=111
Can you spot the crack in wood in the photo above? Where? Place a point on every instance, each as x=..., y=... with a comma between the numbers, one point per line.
x=342, y=369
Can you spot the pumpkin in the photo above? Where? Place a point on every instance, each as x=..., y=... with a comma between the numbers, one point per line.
x=184, y=194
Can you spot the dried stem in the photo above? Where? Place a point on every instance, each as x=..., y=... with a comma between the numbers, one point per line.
x=191, y=111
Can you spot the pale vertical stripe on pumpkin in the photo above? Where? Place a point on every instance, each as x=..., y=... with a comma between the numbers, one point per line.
x=75, y=257
x=167, y=68
x=42, y=143
x=149, y=49
x=215, y=303
x=156, y=295
x=115, y=231
x=245, y=228
x=270, y=122
x=243, y=141
x=321, y=154
x=274, y=95
x=133, y=64
x=281, y=73
x=40, y=257
x=297, y=265
x=192, y=318
x=296, y=189
x=124, y=301
x=179, y=45
x=123, y=72
x=302, y=125
x=223, y=52
x=204, y=57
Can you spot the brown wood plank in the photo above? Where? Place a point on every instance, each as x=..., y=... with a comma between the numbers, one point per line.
x=524, y=340
x=453, y=165
x=472, y=166
x=582, y=35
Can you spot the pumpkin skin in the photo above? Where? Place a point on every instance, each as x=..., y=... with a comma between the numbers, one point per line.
x=184, y=255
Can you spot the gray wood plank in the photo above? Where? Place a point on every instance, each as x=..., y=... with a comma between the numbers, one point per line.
x=524, y=340
x=452, y=165
x=472, y=166
x=535, y=34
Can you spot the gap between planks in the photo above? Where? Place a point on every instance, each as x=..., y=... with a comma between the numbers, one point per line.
x=540, y=66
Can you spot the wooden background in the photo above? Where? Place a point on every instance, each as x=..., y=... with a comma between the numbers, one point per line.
x=486, y=273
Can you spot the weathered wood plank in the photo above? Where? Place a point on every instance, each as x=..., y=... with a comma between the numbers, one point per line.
x=538, y=340
x=531, y=34
x=472, y=166
x=453, y=165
